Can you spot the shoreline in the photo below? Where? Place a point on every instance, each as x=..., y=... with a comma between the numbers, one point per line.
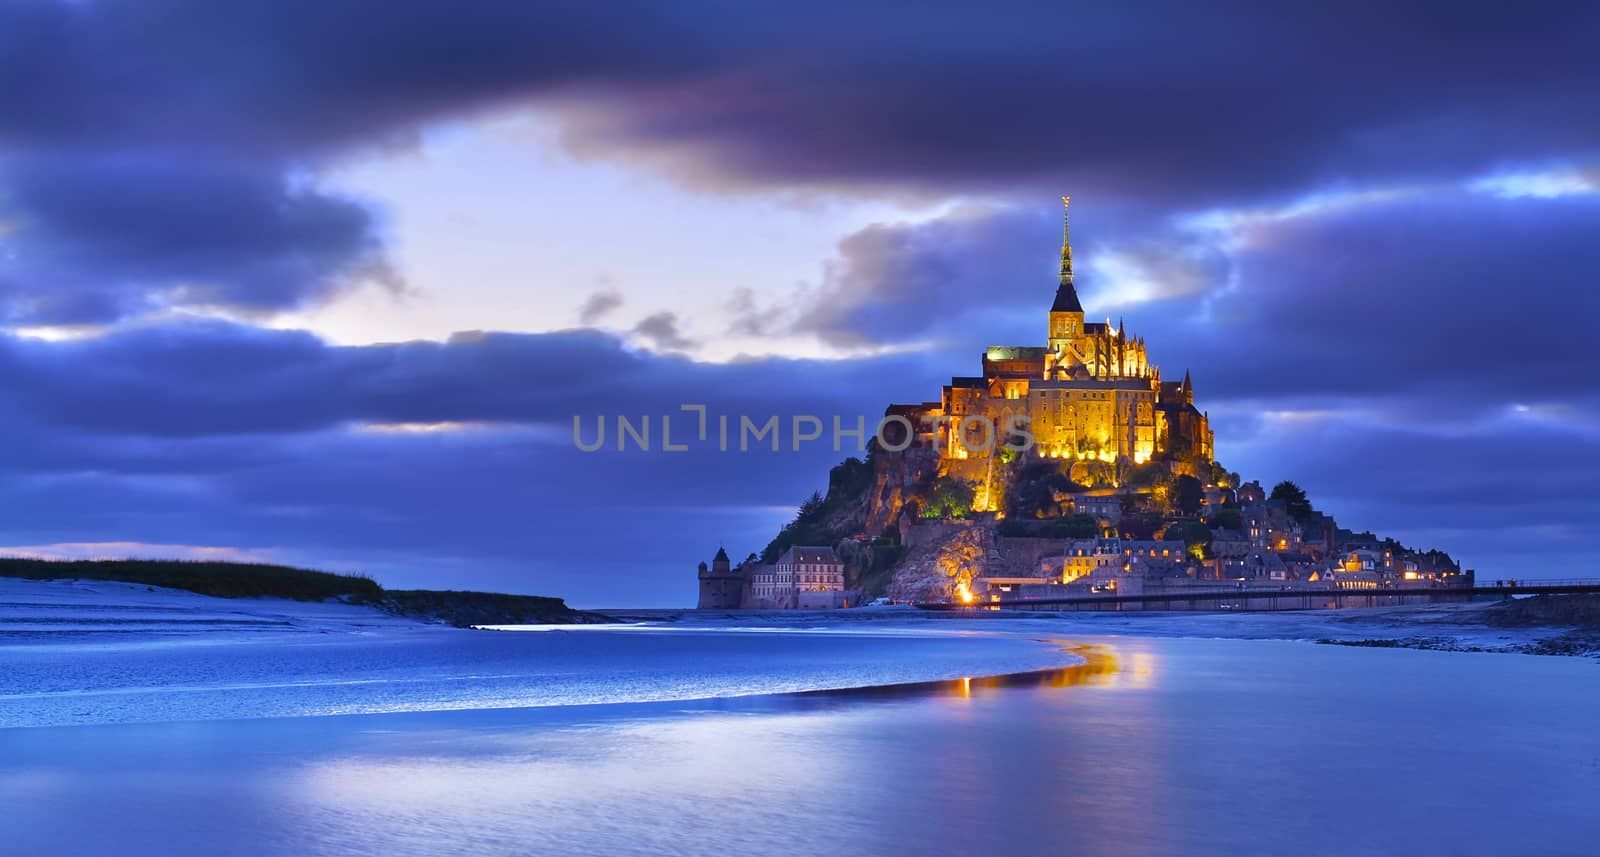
x=1476, y=627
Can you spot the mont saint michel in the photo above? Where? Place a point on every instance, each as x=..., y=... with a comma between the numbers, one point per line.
x=507, y=428
x=1073, y=468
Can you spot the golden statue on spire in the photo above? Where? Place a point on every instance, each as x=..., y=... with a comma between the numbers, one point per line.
x=1066, y=242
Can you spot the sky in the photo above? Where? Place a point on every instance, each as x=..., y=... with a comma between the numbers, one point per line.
x=326, y=283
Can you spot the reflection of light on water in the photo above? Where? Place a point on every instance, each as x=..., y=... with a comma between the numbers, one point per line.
x=1144, y=670
x=496, y=790
x=1101, y=665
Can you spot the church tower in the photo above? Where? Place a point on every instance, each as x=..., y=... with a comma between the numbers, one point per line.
x=1066, y=314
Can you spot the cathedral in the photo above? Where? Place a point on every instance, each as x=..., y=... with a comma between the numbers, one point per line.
x=1090, y=393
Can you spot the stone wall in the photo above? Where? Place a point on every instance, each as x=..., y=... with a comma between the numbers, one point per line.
x=897, y=476
x=1031, y=557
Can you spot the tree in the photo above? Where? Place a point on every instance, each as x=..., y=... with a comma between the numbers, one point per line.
x=1140, y=525
x=1294, y=500
x=810, y=507
x=949, y=497
x=1033, y=491
x=1077, y=526
x=1093, y=473
x=1229, y=519
x=1146, y=474
x=1192, y=533
x=1187, y=492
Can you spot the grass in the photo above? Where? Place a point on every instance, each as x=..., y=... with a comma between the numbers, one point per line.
x=464, y=609
x=247, y=580
x=220, y=579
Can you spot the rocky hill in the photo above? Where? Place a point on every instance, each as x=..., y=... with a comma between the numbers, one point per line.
x=916, y=527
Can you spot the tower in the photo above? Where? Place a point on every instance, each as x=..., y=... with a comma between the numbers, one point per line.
x=1066, y=314
x=722, y=587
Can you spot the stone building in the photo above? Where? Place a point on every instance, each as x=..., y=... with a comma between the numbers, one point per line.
x=1089, y=394
x=809, y=578
x=1102, y=558
x=721, y=586
x=804, y=578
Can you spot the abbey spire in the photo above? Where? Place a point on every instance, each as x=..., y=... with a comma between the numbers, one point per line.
x=1066, y=241
x=1066, y=294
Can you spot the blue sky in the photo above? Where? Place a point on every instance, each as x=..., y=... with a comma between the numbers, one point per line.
x=302, y=282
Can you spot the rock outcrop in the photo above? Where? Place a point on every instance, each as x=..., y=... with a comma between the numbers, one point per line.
x=944, y=556
x=896, y=478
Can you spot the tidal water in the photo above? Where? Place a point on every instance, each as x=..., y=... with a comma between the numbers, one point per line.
x=1124, y=746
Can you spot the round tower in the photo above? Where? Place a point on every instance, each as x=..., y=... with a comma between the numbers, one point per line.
x=721, y=586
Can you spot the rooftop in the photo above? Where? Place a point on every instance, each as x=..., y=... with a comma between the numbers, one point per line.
x=1066, y=299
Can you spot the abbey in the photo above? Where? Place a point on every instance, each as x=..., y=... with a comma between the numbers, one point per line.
x=1090, y=393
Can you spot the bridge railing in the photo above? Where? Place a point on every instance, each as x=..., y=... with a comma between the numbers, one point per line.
x=1506, y=587
x=1537, y=582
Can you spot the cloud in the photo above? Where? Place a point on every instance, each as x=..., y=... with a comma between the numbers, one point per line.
x=198, y=379
x=1451, y=294
x=1174, y=107
x=100, y=105
x=1091, y=97
x=986, y=268
x=1467, y=299
x=130, y=185
x=259, y=438
x=99, y=236
x=661, y=331
x=133, y=550
x=599, y=305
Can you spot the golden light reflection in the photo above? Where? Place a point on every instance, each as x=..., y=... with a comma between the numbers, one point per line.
x=1103, y=666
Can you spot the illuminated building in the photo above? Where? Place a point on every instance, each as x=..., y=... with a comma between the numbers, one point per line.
x=1090, y=394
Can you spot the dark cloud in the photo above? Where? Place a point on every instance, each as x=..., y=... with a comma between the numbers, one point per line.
x=1186, y=105
x=197, y=379
x=899, y=283
x=277, y=78
x=1467, y=299
x=986, y=270
x=220, y=102
x=1233, y=99
x=96, y=236
x=1448, y=295
x=599, y=305
x=229, y=434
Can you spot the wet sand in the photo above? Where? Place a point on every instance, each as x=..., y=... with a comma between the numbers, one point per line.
x=1149, y=746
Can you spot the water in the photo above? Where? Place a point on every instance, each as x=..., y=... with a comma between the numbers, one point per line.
x=96, y=681
x=1140, y=746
